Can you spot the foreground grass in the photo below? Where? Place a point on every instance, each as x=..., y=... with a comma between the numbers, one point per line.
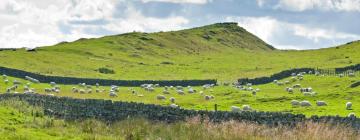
x=331, y=89
x=20, y=121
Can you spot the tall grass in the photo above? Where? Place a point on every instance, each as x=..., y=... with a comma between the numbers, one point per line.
x=139, y=128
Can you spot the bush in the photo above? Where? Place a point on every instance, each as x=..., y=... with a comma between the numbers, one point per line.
x=106, y=70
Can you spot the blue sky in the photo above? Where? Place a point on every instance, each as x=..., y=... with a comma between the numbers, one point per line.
x=285, y=24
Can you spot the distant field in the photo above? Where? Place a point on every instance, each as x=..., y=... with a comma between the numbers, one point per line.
x=220, y=51
x=334, y=90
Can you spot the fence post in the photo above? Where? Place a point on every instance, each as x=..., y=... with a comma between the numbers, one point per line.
x=216, y=107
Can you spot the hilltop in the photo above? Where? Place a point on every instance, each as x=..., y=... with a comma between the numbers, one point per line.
x=222, y=51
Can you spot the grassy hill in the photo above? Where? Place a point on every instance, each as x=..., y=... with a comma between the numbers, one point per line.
x=221, y=51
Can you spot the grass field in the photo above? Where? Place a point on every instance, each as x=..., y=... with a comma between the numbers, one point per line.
x=18, y=120
x=334, y=90
x=218, y=51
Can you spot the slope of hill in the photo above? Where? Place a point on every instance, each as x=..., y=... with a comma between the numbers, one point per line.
x=221, y=51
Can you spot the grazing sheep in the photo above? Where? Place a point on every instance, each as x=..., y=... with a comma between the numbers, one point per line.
x=166, y=92
x=97, y=90
x=249, y=84
x=254, y=93
x=97, y=85
x=191, y=90
x=295, y=103
x=235, y=109
x=16, y=82
x=140, y=95
x=287, y=82
x=82, y=91
x=160, y=97
x=174, y=106
x=305, y=103
x=297, y=86
x=181, y=92
x=89, y=91
x=113, y=94
x=321, y=103
x=4, y=76
x=207, y=97
x=351, y=74
x=246, y=107
x=75, y=90
x=307, y=93
x=6, y=81
x=348, y=106
x=280, y=83
x=293, y=79
x=275, y=81
x=47, y=90
x=309, y=89
x=226, y=83
x=351, y=115
x=257, y=90
x=172, y=99
x=52, y=84
x=201, y=92
x=290, y=90
x=293, y=74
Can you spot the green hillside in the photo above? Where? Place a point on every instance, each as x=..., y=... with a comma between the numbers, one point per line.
x=221, y=51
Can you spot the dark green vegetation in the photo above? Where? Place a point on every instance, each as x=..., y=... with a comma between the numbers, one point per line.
x=218, y=51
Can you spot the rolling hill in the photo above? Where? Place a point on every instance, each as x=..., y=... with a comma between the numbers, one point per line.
x=221, y=51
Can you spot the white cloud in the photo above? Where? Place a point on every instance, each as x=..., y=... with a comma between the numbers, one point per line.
x=179, y=1
x=277, y=32
x=326, y=5
x=26, y=23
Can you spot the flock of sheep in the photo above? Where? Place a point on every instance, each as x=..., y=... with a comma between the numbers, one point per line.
x=83, y=88
x=306, y=91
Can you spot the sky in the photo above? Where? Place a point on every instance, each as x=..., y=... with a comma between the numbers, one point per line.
x=285, y=24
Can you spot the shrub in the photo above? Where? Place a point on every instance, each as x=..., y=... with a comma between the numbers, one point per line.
x=106, y=70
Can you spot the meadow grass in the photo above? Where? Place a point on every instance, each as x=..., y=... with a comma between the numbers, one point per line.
x=335, y=91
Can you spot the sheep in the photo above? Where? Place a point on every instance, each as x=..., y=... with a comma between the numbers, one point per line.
x=301, y=78
x=289, y=90
x=75, y=90
x=89, y=91
x=307, y=93
x=140, y=95
x=81, y=91
x=174, y=106
x=287, y=82
x=160, y=97
x=293, y=74
x=348, y=106
x=309, y=89
x=179, y=88
x=57, y=91
x=246, y=107
x=191, y=90
x=207, y=97
x=166, y=92
x=47, y=90
x=52, y=84
x=235, y=109
x=249, y=84
x=280, y=83
x=4, y=76
x=254, y=93
x=305, y=103
x=317, y=73
x=15, y=82
x=257, y=90
x=181, y=92
x=351, y=74
x=293, y=79
x=275, y=81
x=321, y=103
x=97, y=90
x=201, y=92
x=172, y=99
x=295, y=103
x=351, y=115
x=226, y=83
x=97, y=85
x=6, y=81
x=113, y=94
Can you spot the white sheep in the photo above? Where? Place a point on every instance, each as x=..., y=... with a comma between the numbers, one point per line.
x=4, y=76
x=348, y=106
x=32, y=79
x=191, y=90
x=160, y=97
x=47, y=90
x=6, y=81
x=172, y=99
x=254, y=92
x=235, y=109
x=321, y=103
x=181, y=92
x=82, y=91
x=174, y=106
x=52, y=84
x=295, y=103
x=113, y=94
x=305, y=103
x=166, y=92
x=207, y=97
x=351, y=115
x=246, y=107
